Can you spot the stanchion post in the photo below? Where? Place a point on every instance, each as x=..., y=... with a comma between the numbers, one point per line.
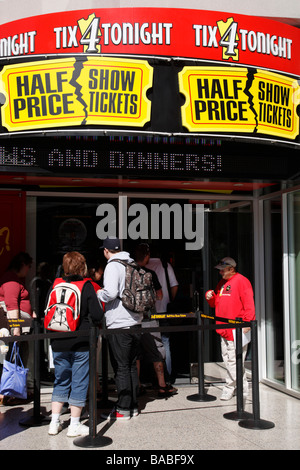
x=37, y=419
x=201, y=395
x=93, y=440
x=239, y=413
x=93, y=383
x=256, y=422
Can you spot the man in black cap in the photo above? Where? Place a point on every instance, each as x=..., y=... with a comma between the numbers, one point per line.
x=232, y=298
x=123, y=347
x=111, y=243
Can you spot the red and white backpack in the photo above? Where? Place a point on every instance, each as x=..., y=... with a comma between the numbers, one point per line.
x=63, y=307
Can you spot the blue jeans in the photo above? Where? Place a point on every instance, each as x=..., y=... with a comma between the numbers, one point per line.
x=166, y=343
x=71, y=377
x=124, y=348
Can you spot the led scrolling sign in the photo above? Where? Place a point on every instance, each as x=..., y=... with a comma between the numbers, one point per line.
x=140, y=156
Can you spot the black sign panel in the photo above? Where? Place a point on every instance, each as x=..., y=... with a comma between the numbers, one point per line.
x=149, y=156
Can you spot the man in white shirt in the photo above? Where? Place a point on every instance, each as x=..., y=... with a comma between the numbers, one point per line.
x=123, y=347
x=151, y=343
x=161, y=305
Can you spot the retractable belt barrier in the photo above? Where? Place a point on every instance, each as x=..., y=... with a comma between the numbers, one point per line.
x=245, y=419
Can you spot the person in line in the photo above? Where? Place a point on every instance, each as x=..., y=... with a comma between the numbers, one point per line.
x=95, y=273
x=233, y=298
x=39, y=288
x=71, y=354
x=123, y=347
x=15, y=301
x=155, y=264
x=151, y=343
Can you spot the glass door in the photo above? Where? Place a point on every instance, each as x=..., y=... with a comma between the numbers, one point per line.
x=273, y=290
x=281, y=227
x=293, y=231
x=193, y=234
x=227, y=231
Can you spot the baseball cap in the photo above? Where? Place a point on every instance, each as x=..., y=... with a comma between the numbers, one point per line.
x=111, y=243
x=226, y=263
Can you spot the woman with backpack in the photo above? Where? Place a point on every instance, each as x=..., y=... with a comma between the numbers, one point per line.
x=71, y=354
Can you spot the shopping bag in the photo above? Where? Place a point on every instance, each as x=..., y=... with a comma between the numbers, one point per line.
x=14, y=376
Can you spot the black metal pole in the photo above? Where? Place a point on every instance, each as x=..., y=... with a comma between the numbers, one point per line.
x=255, y=422
x=239, y=413
x=93, y=383
x=201, y=395
x=37, y=373
x=93, y=440
x=37, y=419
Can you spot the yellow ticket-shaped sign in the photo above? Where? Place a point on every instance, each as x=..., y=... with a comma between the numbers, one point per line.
x=115, y=91
x=216, y=100
x=276, y=98
x=39, y=95
x=238, y=100
x=70, y=92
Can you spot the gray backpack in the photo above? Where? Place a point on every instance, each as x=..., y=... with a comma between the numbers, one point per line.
x=138, y=294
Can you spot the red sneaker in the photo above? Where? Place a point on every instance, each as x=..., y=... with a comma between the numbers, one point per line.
x=120, y=415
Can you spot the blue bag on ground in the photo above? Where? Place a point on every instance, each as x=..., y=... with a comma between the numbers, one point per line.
x=14, y=376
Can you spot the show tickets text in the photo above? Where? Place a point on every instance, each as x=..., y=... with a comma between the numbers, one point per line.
x=76, y=92
x=220, y=99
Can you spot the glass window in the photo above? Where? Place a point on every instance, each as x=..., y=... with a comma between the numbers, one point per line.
x=56, y=225
x=294, y=284
x=273, y=290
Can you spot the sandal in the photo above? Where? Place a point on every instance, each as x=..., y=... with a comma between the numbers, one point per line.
x=14, y=401
x=167, y=391
x=171, y=388
x=3, y=400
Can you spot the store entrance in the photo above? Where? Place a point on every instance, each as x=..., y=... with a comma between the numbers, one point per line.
x=65, y=222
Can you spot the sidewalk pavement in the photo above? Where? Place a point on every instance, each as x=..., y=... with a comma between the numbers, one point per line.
x=173, y=424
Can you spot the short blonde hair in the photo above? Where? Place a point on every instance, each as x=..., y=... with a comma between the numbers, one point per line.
x=74, y=263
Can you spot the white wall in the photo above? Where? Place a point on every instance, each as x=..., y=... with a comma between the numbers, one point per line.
x=289, y=9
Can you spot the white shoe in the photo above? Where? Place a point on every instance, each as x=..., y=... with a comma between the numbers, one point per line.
x=226, y=395
x=54, y=428
x=134, y=413
x=79, y=429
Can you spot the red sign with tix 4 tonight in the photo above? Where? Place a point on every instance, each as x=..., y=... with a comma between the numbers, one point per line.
x=192, y=34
